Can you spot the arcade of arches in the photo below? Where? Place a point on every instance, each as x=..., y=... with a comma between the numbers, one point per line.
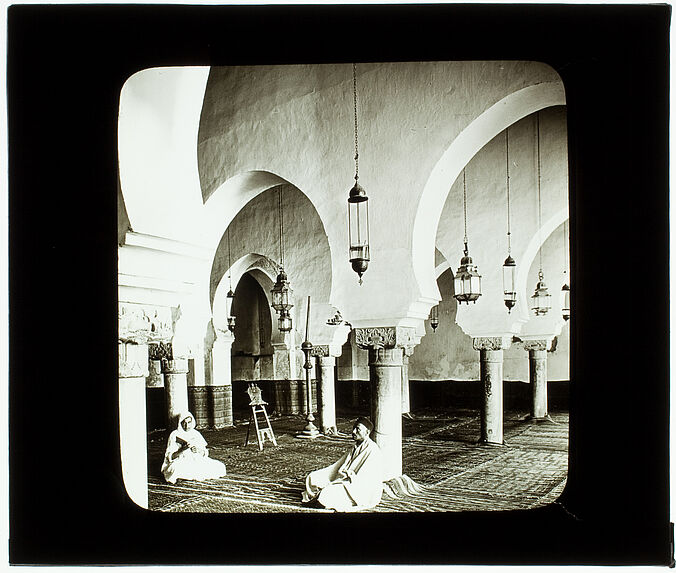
x=204, y=156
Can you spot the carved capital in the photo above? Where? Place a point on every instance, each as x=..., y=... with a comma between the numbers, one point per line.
x=133, y=360
x=488, y=343
x=385, y=337
x=175, y=366
x=535, y=345
x=160, y=351
x=321, y=350
x=142, y=324
x=224, y=336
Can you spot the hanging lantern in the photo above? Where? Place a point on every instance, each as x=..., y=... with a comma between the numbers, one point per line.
x=509, y=266
x=565, y=301
x=509, y=282
x=467, y=280
x=358, y=205
x=565, y=289
x=542, y=300
x=434, y=317
x=285, y=323
x=229, y=299
x=358, y=220
x=282, y=294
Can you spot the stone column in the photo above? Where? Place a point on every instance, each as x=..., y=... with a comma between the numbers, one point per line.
x=133, y=369
x=385, y=348
x=176, y=386
x=490, y=349
x=537, y=355
x=219, y=393
x=405, y=396
x=326, y=382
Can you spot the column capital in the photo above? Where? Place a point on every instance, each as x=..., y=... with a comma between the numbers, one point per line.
x=491, y=342
x=326, y=350
x=537, y=344
x=175, y=366
x=133, y=360
x=160, y=351
x=385, y=337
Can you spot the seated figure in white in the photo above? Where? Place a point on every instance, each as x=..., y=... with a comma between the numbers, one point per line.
x=355, y=481
x=187, y=456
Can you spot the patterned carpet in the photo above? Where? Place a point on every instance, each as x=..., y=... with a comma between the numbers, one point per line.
x=439, y=453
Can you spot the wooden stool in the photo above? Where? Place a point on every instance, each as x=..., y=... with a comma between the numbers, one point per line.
x=258, y=406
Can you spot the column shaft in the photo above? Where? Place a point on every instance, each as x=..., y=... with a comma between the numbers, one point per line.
x=385, y=375
x=491, y=411
x=133, y=438
x=176, y=387
x=220, y=393
x=327, y=393
x=538, y=380
x=405, y=399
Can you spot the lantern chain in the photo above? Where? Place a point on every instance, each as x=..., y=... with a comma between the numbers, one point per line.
x=229, y=262
x=509, y=231
x=464, y=204
x=281, y=230
x=537, y=119
x=356, y=140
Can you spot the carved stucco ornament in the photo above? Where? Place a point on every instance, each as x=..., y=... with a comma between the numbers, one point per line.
x=142, y=324
x=385, y=337
x=535, y=345
x=488, y=343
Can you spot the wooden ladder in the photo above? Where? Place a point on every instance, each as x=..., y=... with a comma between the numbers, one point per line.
x=261, y=433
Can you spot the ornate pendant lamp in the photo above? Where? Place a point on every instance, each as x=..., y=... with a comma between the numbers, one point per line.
x=230, y=297
x=565, y=289
x=434, y=317
x=509, y=266
x=541, y=300
x=467, y=281
x=282, y=293
x=358, y=205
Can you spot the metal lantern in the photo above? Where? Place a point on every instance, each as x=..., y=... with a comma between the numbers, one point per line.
x=434, y=317
x=358, y=220
x=229, y=299
x=509, y=282
x=358, y=205
x=282, y=294
x=565, y=301
x=541, y=300
x=509, y=266
x=467, y=281
x=285, y=322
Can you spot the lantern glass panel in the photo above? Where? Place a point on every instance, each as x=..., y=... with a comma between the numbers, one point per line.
x=228, y=303
x=359, y=230
x=285, y=322
x=476, y=284
x=509, y=279
x=457, y=285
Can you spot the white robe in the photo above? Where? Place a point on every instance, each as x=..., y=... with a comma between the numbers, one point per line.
x=353, y=483
x=188, y=464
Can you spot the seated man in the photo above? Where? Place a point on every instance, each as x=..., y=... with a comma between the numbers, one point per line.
x=355, y=481
x=187, y=456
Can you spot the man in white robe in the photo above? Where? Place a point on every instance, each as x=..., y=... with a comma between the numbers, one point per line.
x=355, y=481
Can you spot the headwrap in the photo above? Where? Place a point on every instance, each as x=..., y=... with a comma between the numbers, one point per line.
x=364, y=422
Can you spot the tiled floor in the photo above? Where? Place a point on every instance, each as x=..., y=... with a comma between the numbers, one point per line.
x=440, y=453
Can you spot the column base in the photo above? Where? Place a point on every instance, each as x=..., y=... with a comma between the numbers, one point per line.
x=546, y=419
x=483, y=442
x=308, y=434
